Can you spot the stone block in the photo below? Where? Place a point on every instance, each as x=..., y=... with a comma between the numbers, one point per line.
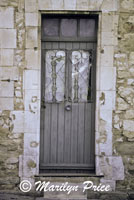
x=29, y=166
x=121, y=60
x=128, y=40
x=104, y=148
x=121, y=104
x=93, y=195
x=95, y=5
x=31, y=79
x=131, y=19
x=31, y=19
x=9, y=73
x=31, y=144
x=127, y=5
x=32, y=181
x=103, y=145
x=8, y=38
x=18, y=122
x=105, y=121
x=129, y=135
x=108, y=78
x=128, y=125
x=6, y=104
x=104, y=133
x=130, y=81
x=32, y=100
x=112, y=184
x=45, y=5
x=3, y=3
x=31, y=57
x=31, y=37
x=114, y=195
x=106, y=115
x=82, y=4
x=58, y=5
x=70, y=4
x=111, y=166
x=31, y=122
x=20, y=165
x=131, y=58
x=18, y=93
x=126, y=93
x=107, y=22
x=104, y=166
x=107, y=54
x=125, y=148
x=106, y=100
x=131, y=70
x=12, y=160
x=6, y=89
x=9, y=196
x=30, y=6
x=129, y=114
x=79, y=194
x=118, y=168
x=6, y=17
x=109, y=5
x=7, y=57
x=108, y=39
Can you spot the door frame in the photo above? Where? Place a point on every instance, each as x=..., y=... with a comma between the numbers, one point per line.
x=45, y=48
x=32, y=82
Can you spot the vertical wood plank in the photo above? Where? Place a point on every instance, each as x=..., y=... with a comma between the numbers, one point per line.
x=55, y=45
x=60, y=139
x=48, y=45
x=54, y=133
x=80, y=146
x=89, y=45
x=62, y=45
x=87, y=132
x=74, y=130
x=47, y=125
x=75, y=45
x=69, y=76
x=82, y=45
x=92, y=153
x=69, y=45
x=67, y=137
x=42, y=114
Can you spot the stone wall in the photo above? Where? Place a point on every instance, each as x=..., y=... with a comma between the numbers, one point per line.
x=20, y=67
x=123, y=116
x=12, y=63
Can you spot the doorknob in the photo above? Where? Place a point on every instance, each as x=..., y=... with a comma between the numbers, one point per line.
x=68, y=108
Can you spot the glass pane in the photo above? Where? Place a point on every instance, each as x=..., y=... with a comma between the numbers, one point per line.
x=51, y=27
x=68, y=27
x=55, y=76
x=80, y=75
x=87, y=27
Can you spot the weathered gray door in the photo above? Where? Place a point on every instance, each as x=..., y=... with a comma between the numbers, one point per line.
x=68, y=95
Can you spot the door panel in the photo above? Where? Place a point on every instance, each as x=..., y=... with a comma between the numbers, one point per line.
x=67, y=134
x=67, y=113
x=68, y=101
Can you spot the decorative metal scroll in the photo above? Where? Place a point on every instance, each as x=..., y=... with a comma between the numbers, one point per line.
x=55, y=76
x=81, y=77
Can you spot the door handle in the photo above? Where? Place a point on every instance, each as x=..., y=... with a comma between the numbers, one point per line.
x=68, y=108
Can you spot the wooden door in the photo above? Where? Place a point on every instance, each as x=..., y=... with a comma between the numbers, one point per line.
x=68, y=97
